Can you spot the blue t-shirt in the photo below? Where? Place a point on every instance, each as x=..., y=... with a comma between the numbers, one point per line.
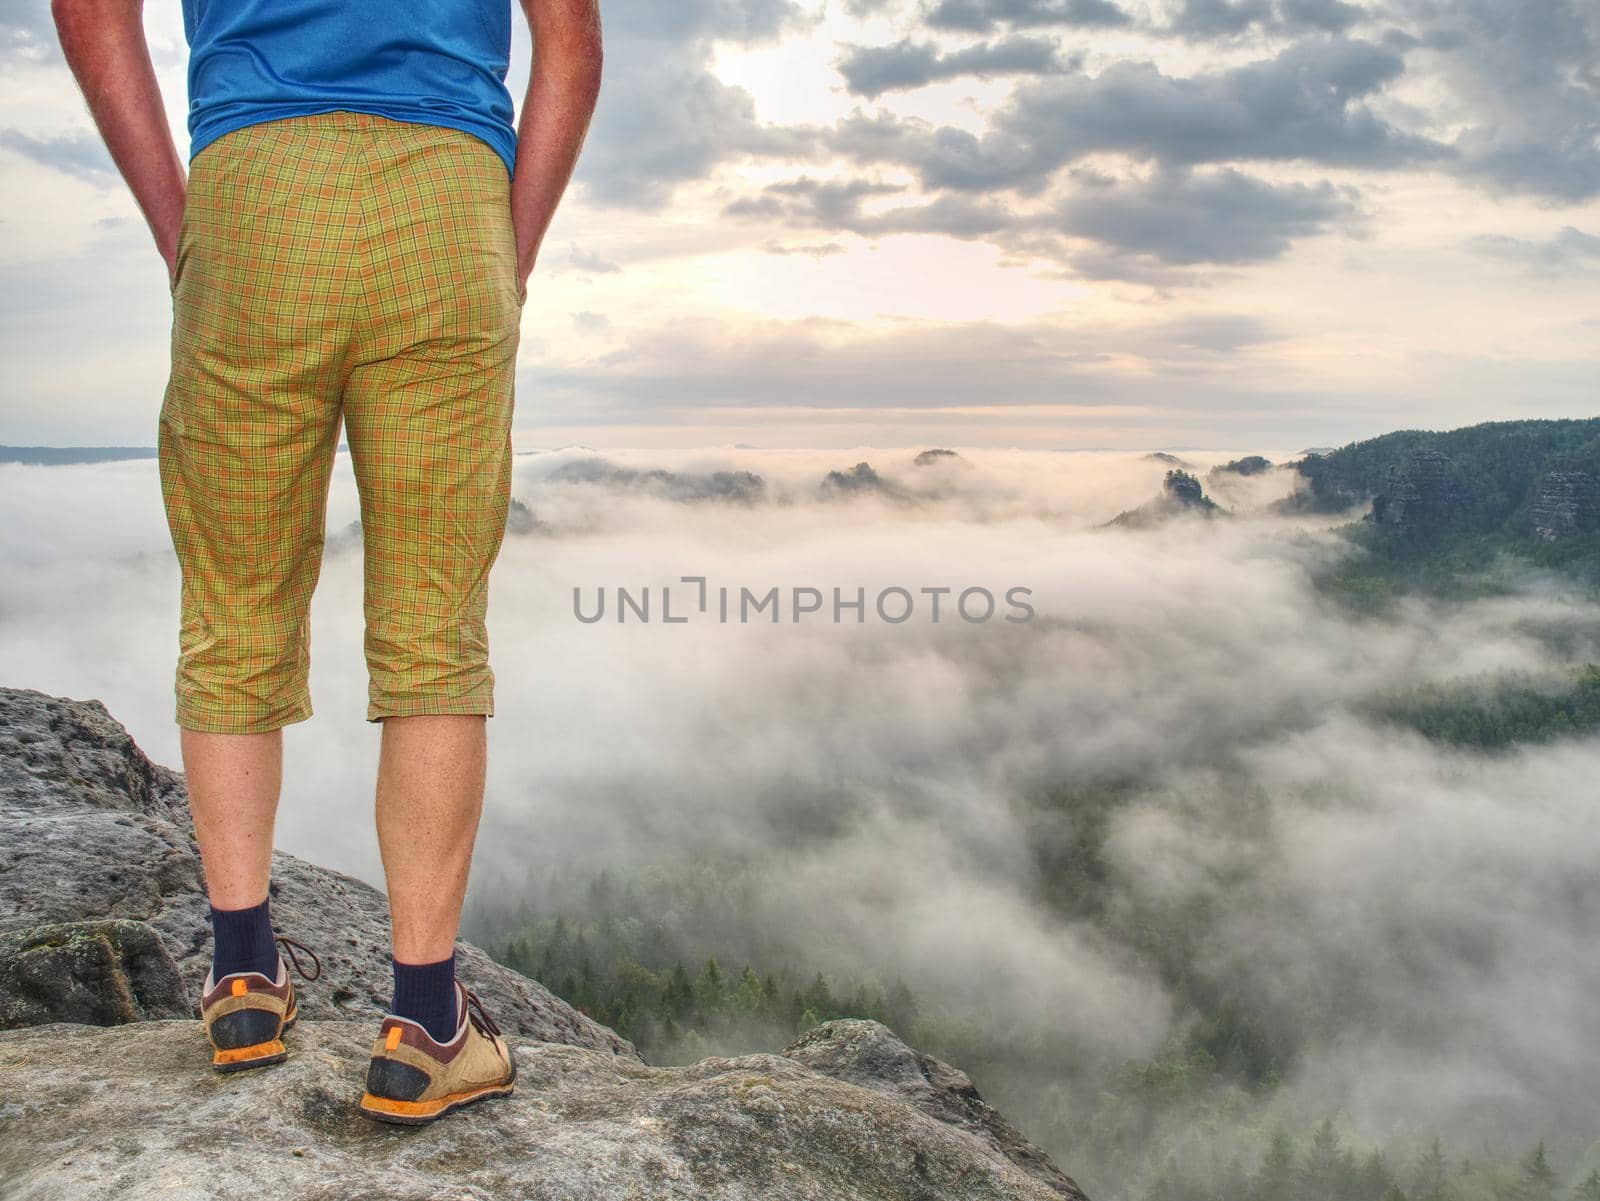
x=435, y=62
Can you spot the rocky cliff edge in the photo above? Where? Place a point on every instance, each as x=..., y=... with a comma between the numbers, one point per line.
x=107, y=1090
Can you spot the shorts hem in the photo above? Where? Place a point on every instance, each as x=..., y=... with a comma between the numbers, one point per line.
x=430, y=706
x=221, y=723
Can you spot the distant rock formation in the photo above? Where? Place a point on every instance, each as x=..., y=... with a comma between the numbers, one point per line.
x=1249, y=465
x=1565, y=503
x=1486, y=479
x=345, y=539
x=860, y=480
x=739, y=487
x=1184, y=489
x=1161, y=456
x=1181, y=494
x=1420, y=496
x=521, y=521
x=109, y=1093
x=936, y=455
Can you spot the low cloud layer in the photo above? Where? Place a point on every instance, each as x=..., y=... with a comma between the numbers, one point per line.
x=1427, y=911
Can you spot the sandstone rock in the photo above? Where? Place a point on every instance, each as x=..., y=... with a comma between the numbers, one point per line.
x=1249, y=465
x=1566, y=503
x=1172, y=460
x=1420, y=496
x=135, y=1113
x=96, y=831
x=869, y=1054
x=101, y=973
x=860, y=480
x=1183, y=488
x=738, y=487
x=108, y=1090
x=1181, y=493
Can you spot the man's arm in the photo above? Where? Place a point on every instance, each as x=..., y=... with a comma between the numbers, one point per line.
x=555, y=115
x=103, y=41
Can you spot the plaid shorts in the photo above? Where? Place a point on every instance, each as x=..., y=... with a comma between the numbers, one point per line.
x=339, y=269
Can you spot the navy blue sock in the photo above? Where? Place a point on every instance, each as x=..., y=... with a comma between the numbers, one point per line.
x=426, y=993
x=242, y=941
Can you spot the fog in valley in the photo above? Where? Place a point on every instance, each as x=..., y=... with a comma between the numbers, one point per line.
x=1412, y=921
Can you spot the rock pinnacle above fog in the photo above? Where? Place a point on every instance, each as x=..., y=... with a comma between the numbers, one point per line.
x=1181, y=495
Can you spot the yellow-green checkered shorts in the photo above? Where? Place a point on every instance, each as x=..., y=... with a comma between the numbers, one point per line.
x=339, y=269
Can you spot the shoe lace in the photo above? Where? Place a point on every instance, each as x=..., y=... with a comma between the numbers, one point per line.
x=290, y=945
x=477, y=1015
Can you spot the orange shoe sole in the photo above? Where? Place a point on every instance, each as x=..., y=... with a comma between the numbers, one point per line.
x=260, y=1055
x=420, y=1113
x=257, y=1056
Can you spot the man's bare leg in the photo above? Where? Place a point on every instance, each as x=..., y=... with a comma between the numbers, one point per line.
x=431, y=772
x=431, y=775
x=234, y=782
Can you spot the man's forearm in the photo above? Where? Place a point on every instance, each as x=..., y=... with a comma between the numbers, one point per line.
x=555, y=117
x=104, y=45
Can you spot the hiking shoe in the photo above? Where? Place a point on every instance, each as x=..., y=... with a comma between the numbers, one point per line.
x=246, y=1014
x=413, y=1080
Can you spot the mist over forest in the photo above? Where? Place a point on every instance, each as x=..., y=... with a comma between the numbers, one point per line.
x=1252, y=864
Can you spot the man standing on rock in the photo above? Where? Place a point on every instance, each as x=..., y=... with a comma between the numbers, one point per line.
x=351, y=247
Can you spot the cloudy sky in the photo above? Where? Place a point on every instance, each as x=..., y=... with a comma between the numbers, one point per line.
x=1041, y=223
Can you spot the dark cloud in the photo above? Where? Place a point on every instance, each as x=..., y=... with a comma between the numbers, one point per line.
x=1307, y=103
x=81, y=154
x=981, y=16
x=588, y=261
x=1213, y=333
x=691, y=368
x=805, y=201
x=693, y=21
x=1108, y=263
x=664, y=118
x=1526, y=78
x=817, y=204
x=821, y=250
x=1140, y=230
x=1570, y=251
x=590, y=322
x=1330, y=16
x=872, y=70
x=1220, y=19
x=1181, y=218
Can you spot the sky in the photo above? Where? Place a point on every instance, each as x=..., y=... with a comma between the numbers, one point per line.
x=1033, y=223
